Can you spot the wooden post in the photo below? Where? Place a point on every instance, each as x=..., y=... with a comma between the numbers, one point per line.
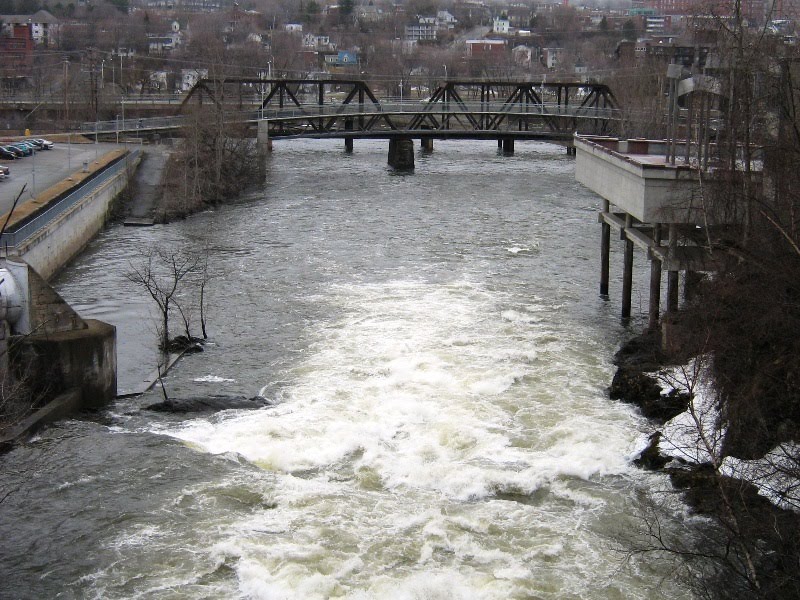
x=605, y=248
x=627, y=273
x=654, y=312
x=672, y=275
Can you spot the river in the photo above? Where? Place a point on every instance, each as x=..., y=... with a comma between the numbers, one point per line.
x=437, y=358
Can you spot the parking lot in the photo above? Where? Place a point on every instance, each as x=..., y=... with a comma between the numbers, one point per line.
x=46, y=168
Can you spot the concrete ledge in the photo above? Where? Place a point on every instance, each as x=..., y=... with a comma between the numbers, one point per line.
x=62, y=406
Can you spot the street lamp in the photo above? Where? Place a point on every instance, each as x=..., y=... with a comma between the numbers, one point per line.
x=33, y=172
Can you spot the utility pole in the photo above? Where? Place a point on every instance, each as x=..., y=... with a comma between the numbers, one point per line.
x=66, y=90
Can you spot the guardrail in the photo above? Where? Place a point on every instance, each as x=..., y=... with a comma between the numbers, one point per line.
x=16, y=235
x=368, y=109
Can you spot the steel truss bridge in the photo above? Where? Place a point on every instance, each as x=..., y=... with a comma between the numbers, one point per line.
x=349, y=109
x=462, y=108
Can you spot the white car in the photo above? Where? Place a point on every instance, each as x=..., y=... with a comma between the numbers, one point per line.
x=41, y=143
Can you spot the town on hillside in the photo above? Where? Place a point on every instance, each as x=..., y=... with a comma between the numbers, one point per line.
x=90, y=55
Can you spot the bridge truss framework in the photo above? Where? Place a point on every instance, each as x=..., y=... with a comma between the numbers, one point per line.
x=463, y=107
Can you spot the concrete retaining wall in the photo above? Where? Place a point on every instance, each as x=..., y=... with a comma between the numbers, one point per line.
x=84, y=360
x=57, y=243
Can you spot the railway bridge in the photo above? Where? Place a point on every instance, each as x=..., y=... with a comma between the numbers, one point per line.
x=350, y=110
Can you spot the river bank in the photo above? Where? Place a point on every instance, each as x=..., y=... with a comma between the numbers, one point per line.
x=688, y=434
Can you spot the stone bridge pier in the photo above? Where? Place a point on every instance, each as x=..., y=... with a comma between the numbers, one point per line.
x=401, y=154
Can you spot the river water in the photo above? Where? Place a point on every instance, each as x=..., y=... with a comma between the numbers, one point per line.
x=437, y=358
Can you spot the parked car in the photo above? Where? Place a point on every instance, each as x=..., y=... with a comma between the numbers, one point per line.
x=25, y=148
x=5, y=170
x=41, y=143
x=7, y=153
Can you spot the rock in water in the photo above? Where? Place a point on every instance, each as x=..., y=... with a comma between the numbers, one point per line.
x=207, y=404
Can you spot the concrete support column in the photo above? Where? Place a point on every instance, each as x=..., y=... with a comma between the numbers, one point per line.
x=654, y=311
x=627, y=273
x=605, y=249
x=690, y=282
x=672, y=275
x=4, y=333
x=262, y=137
x=508, y=145
x=348, y=141
x=426, y=144
x=401, y=154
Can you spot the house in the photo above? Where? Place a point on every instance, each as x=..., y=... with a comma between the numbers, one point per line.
x=320, y=43
x=44, y=27
x=523, y=56
x=158, y=81
x=341, y=61
x=16, y=51
x=501, y=25
x=519, y=16
x=550, y=57
x=485, y=48
x=368, y=13
x=190, y=77
x=159, y=44
x=203, y=6
x=422, y=31
x=445, y=21
x=293, y=27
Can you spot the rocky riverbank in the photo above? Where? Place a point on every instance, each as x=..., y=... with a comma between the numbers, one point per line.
x=756, y=545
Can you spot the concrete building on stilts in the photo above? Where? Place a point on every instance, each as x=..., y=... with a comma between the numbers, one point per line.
x=656, y=195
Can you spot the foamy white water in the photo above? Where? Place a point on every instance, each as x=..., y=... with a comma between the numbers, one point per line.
x=434, y=443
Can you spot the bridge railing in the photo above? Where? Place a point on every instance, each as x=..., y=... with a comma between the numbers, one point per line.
x=367, y=109
x=452, y=107
x=17, y=235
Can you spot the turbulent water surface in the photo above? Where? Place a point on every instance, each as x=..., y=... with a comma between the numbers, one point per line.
x=436, y=358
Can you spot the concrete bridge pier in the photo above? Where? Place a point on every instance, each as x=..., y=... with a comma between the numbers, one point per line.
x=401, y=154
x=262, y=137
x=426, y=144
x=348, y=141
x=506, y=144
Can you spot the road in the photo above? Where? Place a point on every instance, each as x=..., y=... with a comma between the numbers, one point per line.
x=46, y=168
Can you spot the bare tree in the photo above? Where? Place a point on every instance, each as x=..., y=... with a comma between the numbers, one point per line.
x=164, y=274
